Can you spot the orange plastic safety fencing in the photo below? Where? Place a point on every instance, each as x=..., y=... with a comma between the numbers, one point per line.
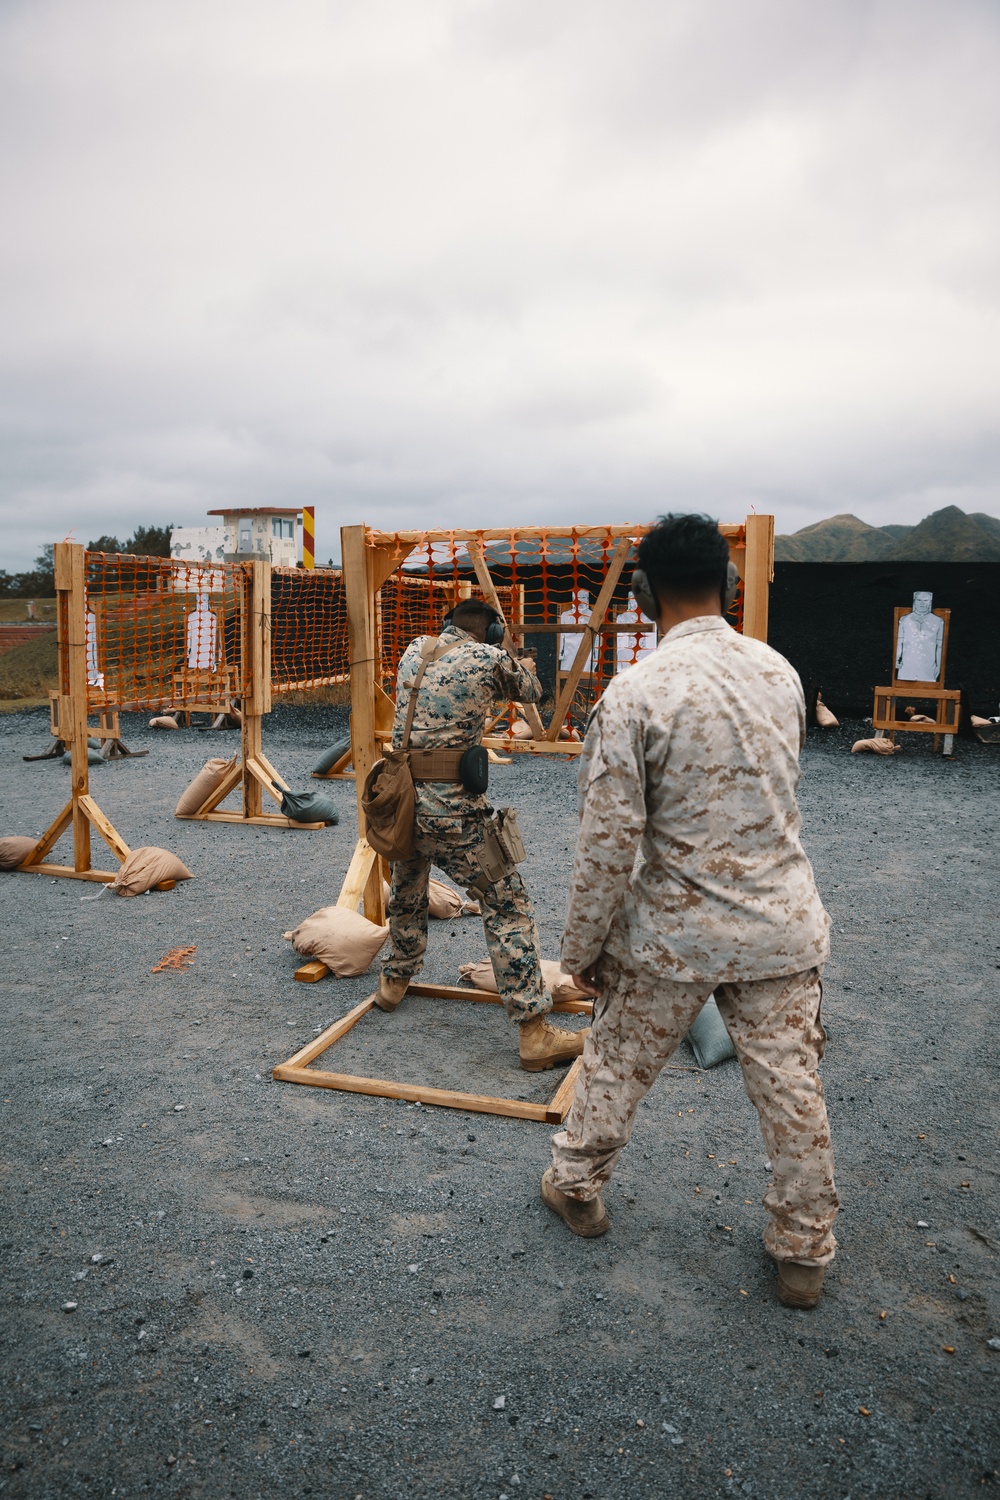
x=547, y=582
x=309, y=646
x=165, y=634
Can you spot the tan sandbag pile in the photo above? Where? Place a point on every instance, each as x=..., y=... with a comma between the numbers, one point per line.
x=443, y=902
x=211, y=775
x=978, y=722
x=559, y=985
x=824, y=718
x=163, y=721
x=14, y=850
x=344, y=940
x=877, y=746
x=147, y=867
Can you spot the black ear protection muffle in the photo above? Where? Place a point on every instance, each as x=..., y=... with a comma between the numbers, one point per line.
x=646, y=599
x=494, y=631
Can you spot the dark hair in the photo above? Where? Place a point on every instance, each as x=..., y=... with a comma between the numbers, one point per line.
x=685, y=556
x=474, y=612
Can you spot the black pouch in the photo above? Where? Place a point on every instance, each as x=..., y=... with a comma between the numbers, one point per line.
x=474, y=769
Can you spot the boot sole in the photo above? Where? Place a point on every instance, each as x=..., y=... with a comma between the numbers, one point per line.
x=543, y=1064
x=585, y=1231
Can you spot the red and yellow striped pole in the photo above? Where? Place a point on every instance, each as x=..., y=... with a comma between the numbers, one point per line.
x=309, y=536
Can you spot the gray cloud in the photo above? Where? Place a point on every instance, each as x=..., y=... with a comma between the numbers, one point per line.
x=414, y=261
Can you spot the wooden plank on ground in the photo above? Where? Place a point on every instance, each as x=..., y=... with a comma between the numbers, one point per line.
x=385, y=1088
x=311, y=972
x=68, y=872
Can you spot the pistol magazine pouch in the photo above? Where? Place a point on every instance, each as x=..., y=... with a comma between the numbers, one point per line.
x=501, y=851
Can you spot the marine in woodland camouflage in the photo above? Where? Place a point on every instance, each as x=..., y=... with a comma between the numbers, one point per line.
x=457, y=694
x=689, y=878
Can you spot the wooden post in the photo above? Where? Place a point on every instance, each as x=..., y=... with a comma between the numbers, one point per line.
x=361, y=573
x=258, y=701
x=71, y=584
x=759, y=575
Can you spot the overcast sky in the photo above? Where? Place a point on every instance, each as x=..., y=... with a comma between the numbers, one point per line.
x=451, y=262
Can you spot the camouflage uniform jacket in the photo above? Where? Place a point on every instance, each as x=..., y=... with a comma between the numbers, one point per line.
x=691, y=761
x=456, y=696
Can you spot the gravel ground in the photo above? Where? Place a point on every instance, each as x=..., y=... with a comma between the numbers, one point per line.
x=329, y=1294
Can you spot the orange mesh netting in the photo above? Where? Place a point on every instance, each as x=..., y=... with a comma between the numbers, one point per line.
x=308, y=628
x=547, y=582
x=163, y=633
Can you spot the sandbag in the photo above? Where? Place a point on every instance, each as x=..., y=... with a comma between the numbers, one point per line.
x=519, y=730
x=309, y=807
x=329, y=760
x=342, y=939
x=824, y=718
x=559, y=985
x=708, y=1038
x=980, y=723
x=14, y=850
x=876, y=746
x=93, y=757
x=145, y=868
x=211, y=775
x=443, y=902
x=163, y=721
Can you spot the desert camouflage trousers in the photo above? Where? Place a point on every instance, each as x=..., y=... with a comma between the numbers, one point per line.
x=639, y=1021
x=508, y=915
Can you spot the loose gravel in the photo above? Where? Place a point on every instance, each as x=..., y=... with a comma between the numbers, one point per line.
x=216, y=1285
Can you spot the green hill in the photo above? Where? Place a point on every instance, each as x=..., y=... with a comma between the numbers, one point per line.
x=948, y=535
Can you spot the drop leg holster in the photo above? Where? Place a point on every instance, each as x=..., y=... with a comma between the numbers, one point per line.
x=501, y=851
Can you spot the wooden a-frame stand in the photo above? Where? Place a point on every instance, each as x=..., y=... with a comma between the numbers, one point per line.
x=253, y=772
x=81, y=811
x=368, y=561
x=947, y=701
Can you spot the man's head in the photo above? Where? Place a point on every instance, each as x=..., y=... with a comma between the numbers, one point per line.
x=478, y=619
x=685, y=560
x=922, y=603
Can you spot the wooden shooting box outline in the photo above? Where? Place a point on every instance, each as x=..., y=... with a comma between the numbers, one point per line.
x=297, y=1069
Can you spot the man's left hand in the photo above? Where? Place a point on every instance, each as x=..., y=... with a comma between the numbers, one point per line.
x=587, y=981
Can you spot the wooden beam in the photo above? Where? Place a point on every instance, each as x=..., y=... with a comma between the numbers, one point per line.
x=311, y=972
x=68, y=873
x=105, y=828
x=560, y=1103
x=589, y=641
x=326, y=1038
x=262, y=820
x=358, y=874
x=73, y=647
x=490, y=997
x=385, y=560
x=50, y=837
x=758, y=576
x=533, y=747
x=488, y=587
x=521, y=534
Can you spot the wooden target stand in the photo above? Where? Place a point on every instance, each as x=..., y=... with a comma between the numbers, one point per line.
x=946, y=701
x=253, y=773
x=369, y=559
x=81, y=812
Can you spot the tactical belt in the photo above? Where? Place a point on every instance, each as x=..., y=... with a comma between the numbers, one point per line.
x=436, y=765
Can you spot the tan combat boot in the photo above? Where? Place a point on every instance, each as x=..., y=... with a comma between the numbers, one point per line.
x=586, y=1217
x=389, y=992
x=799, y=1286
x=543, y=1046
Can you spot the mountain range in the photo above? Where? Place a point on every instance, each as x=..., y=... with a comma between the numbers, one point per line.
x=948, y=535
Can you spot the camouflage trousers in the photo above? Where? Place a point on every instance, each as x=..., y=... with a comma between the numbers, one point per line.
x=508, y=915
x=639, y=1021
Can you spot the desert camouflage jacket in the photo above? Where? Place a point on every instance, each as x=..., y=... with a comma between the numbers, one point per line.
x=689, y=859
x=455, y=697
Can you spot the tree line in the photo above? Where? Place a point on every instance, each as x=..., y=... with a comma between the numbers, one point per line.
x=40, y=582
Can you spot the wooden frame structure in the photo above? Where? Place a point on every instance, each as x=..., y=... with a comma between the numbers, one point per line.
x=369, y=559
x=947, y=701
x=70, y=715
x=297, y=1069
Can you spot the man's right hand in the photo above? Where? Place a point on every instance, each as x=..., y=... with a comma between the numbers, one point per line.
x=587, y=981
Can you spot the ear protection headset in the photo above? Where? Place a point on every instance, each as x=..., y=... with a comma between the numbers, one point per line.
x=494, y=630
x=646, y=599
